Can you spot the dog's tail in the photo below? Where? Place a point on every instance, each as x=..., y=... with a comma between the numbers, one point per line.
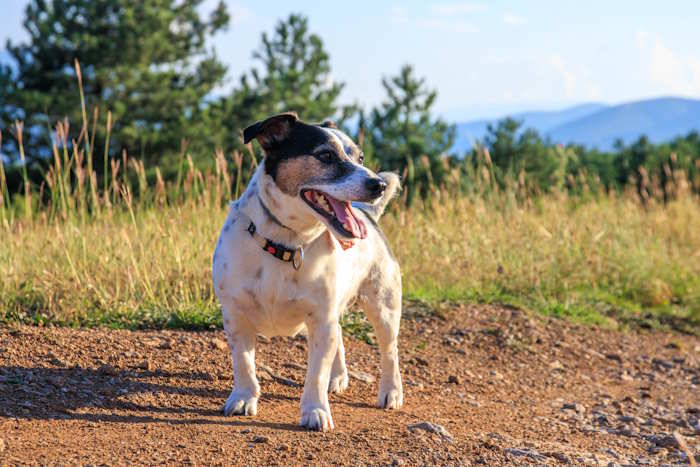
x=393, y=186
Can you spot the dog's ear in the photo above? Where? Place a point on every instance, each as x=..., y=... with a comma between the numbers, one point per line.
x=270, y=130
x=329, y=124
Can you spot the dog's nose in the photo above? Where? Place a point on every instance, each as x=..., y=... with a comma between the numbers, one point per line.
x=376, y=186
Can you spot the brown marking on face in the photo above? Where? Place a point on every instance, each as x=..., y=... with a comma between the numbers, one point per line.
x=274, y=203
x=221, y=286
x=227, y=322
x=296, y=172
x=292, y=217
x=225, y=266
x=258, y=274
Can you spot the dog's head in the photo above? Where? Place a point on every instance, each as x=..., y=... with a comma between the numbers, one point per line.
x=321, y=166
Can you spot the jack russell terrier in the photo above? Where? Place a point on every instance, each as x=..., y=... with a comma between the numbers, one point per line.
x=297, y=247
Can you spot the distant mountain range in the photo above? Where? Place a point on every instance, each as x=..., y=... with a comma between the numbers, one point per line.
x=599, y=125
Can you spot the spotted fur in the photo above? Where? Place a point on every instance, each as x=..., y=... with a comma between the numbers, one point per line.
x=263, y=295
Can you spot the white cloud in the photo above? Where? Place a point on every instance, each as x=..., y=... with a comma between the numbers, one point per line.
x=669, y=70
x=513, y=19
x=450, y=9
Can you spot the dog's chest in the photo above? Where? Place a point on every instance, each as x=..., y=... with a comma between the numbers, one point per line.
x=279, y=301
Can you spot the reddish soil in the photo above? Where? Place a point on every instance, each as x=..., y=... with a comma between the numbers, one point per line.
x=506, y=387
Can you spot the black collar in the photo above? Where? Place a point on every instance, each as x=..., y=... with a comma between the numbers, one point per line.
x=279, y=251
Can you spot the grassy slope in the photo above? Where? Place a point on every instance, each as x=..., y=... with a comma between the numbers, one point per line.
x=608, y=262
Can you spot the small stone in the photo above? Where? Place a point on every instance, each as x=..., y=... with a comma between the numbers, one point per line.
x=245, y=430
x=397, y=462
x=165, y=345
x=614, y=356
x=261, y=439
x=420, y=361
x=432, y=428
x=578, y=408
x=496, y=375
x=219, y=344
x=284, y=447
x=416, y=384
x=108, y=370
x=556, y=366
x=454, y=379
x=361, y=376
x=294, y=366
x=146, y=365
x=663, y=441
x=2, y=445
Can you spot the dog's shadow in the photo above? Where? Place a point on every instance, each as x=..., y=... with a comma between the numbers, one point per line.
x=116, y=395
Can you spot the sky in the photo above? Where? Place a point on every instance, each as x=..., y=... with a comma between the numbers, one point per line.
x=485, y=59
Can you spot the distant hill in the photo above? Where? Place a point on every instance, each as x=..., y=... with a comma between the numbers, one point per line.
x=598, y=125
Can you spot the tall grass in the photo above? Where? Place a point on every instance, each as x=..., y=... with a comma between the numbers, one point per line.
x=136, y=251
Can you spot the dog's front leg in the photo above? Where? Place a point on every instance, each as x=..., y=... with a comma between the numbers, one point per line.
x=323, y=344
x=246, y=390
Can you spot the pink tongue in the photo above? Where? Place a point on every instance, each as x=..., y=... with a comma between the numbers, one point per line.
x=345, y=214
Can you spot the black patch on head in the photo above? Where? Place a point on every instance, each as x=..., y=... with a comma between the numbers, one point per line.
x=301, y=140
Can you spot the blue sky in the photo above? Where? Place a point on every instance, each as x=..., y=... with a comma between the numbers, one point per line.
x=484, y=58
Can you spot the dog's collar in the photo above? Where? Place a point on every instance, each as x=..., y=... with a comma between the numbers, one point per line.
x=279, y=251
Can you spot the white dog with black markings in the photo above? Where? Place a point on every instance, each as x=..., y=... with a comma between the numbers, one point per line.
x=298, y=246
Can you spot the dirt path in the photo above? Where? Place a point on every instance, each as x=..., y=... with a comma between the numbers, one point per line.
x=507, y=388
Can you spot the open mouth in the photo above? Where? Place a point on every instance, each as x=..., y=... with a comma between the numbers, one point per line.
x=338, y=214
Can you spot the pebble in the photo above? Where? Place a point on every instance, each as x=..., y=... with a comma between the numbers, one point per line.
x=578, y=408
x=2, y=445
x=432, y=428
x=294, y=366
x=614, y=356
x=108, y=370
x=496, y=375
x=454, y=379
x=261, y=439
x=556, y=366
x=420, y=361
x=146, y=365
x=219, y=344
x=362, y=376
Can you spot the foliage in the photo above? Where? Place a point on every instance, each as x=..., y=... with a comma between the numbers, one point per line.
x=405, y=136
x=146, y=62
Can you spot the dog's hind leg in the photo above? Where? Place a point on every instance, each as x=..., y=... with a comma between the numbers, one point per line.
x=246, y=390
x=380, y=297
x=339, y=372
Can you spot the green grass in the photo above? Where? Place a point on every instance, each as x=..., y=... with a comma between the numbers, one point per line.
x=152, y=268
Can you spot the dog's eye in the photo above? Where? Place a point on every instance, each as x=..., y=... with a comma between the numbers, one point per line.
x=362, y=158
x=325, y=156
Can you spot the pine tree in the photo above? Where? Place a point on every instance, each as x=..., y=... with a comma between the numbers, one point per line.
x=405, y=135
x=293, y=75
x=146, y=62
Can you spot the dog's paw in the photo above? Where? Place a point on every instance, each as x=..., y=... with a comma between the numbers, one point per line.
x=338, y=383
x=239, y=403
x=317, y=419
x=390, y=399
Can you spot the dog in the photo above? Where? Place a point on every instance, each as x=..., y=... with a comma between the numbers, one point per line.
x=296, y=248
